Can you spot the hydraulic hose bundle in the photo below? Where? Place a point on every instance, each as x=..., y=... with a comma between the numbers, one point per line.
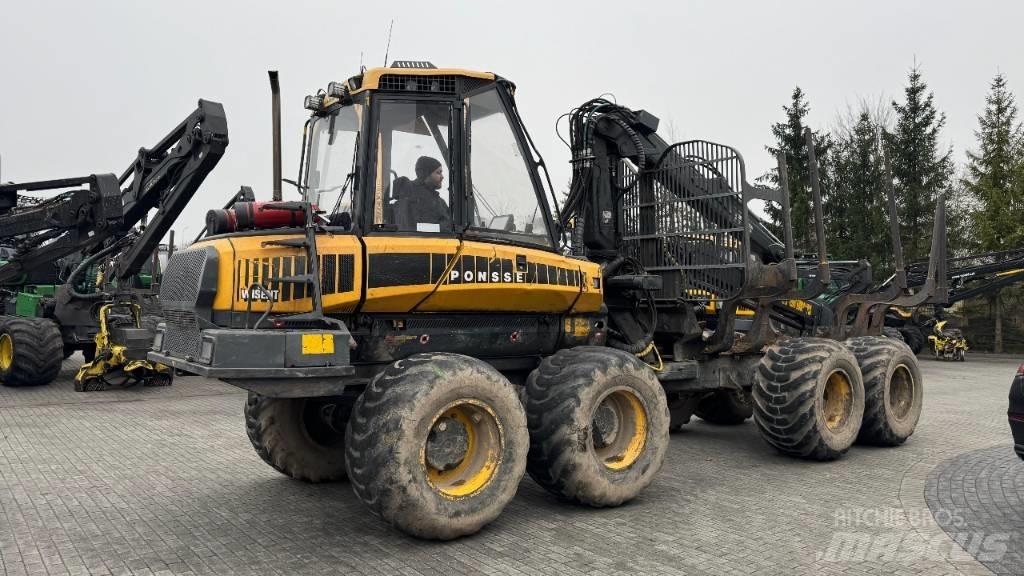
x=582, y=127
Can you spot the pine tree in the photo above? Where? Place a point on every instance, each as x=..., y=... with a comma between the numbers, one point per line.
x=789, y=137
x=920, y=170
x=995, y=178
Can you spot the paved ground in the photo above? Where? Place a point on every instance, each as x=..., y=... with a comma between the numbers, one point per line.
x=978, y=499
x=163, y=481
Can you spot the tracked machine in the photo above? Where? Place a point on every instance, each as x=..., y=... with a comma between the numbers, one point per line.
x=80, y=264
x=425, y=321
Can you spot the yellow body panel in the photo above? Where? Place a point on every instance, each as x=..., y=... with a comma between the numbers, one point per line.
x=404, y=274
x=244, y=260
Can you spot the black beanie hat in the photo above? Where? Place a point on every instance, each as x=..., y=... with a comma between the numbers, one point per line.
x=425, y=165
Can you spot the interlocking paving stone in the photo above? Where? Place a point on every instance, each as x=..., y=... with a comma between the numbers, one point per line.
x=978, y=499
x=164, y=481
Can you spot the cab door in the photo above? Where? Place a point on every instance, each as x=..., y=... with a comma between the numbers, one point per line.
x=477, y=239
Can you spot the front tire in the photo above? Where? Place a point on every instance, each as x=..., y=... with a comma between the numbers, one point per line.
x=31, y=351
x=599, y=425
x=437, y=445
x=303, y=438
x=892, y=389
x=809, y=398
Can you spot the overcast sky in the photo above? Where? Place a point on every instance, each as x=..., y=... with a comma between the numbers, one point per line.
x=84, y=84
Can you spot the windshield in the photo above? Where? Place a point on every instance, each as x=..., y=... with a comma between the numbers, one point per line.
x=504, y=201
x=332, y=156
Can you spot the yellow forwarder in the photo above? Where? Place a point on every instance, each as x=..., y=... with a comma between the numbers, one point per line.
x=424, y=321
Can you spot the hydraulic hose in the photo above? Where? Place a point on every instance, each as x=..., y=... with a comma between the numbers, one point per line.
x=84, y=264
x=618, y=340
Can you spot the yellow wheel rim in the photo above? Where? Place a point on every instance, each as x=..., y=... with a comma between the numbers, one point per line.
x=901, y=392
x=6, y=352
x=619, y=426
x=837, y=400
x=463, y=449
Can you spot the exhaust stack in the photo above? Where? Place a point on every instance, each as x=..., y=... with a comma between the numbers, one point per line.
x=275, y=93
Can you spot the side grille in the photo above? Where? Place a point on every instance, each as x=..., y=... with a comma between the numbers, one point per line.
x=186, y=294
x=181, y=336
x=181, y=280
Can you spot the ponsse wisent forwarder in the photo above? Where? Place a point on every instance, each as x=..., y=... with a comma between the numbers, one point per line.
x=431, y=342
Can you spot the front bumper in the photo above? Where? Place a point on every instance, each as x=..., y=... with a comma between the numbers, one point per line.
x=279, y=363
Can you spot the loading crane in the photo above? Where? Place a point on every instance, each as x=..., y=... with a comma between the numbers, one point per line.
x=75, y=258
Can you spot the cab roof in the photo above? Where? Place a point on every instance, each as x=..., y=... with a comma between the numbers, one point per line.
x=418, y=76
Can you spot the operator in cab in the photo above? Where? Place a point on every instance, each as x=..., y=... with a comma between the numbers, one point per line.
x=421, y=207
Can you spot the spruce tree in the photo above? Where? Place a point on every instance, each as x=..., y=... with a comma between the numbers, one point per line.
x=921, y=171
x=789, y=137
x=995, y=178
x=856, y=205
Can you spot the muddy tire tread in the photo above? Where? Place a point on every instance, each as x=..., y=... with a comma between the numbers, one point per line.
x=785, y=390
x=38, y=351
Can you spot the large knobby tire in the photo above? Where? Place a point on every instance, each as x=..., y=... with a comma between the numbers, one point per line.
x=303, y=438
x=914, y=338
x=809, y=398
x=726, y=407
x=437, y=445
x=599, y=425
x=31, y=351
x=893, y=390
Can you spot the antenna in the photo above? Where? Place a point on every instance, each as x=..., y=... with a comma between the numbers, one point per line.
x=388, y=49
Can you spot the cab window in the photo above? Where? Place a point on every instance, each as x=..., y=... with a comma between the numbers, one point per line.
x=332, y=163
x=503, y=200
x=412, y=191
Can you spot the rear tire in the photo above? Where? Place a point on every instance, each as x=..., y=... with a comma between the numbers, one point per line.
x=599, y=425
x=892, y=389
x=437, y=445
x=809, y=398
x=303, y=438
x=893, y=333
x=726, y=407
x=31, y=351
x=914, y=338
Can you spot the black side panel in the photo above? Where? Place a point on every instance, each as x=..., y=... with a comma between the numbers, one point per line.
x=398, y=270
x=478, y=335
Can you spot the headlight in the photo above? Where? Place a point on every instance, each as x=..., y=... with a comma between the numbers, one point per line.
x=314, y=102
x=336, y=89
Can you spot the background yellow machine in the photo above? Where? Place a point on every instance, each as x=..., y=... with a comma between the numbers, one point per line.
x=121, y=345
x=426, y=321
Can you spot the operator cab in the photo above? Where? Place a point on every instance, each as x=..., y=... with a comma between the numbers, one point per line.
x=372, y=139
